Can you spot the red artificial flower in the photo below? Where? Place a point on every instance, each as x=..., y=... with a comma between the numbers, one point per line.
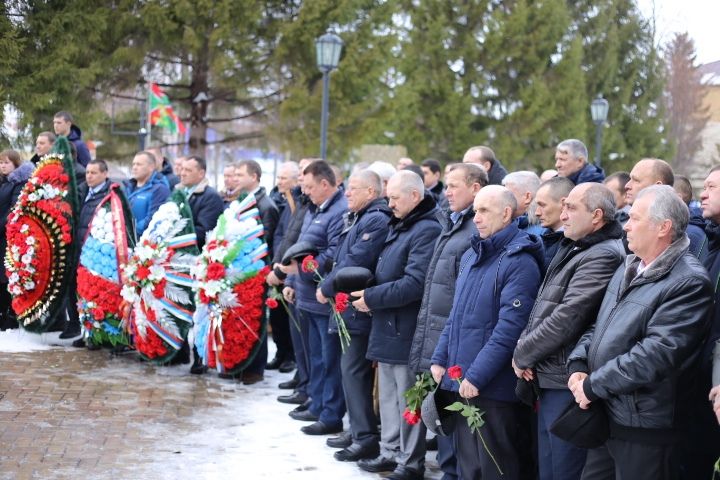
x=411, y=418
x=341, y=302
x=272, y=303
x=309, y=264
x=454, y=372
x=215, y=271
x=142, y=272
x=159, y=289
x=98, y=314
x=203, y=296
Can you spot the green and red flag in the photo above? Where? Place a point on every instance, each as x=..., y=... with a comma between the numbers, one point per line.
x=161, y=112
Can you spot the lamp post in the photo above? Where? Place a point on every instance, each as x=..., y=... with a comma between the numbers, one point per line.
x=599, y=112
x=327, y=48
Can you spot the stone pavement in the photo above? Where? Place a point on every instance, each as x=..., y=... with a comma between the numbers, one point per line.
x=72, y=413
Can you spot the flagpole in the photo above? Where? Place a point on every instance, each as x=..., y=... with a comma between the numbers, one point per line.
x=147, y=116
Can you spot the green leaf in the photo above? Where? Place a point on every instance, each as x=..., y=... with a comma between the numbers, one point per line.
x=455, y=407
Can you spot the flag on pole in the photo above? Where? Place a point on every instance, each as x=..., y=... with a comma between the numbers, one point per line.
x=161, y=112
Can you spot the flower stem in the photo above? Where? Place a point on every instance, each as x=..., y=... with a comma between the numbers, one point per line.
x=490, y=453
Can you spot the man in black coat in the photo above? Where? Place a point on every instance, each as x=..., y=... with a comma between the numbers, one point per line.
x=247, y=178
x=640, y=356
x=395, y=302
x=485, y=157
x=95, y=187
x=548, y=207
x=464, y=180
x=361, y=240
x=566, y=305
x=205, y=202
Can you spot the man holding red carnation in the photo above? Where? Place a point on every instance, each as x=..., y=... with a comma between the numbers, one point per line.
x=496, y=287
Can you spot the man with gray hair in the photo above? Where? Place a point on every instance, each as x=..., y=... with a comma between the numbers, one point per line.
x=385, y=170
x=571, y=161
x=361, y=241
x=639, y=355
x=394, y=301
x=523, y=185
x=566, y=306
x=496, y=287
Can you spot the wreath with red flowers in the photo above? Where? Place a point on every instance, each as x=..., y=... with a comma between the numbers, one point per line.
x=40, y=252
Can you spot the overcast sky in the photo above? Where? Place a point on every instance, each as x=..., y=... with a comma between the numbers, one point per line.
x=700, y=18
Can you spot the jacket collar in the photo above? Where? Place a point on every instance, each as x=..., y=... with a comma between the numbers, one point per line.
x=327, y=203
x=659, y=267
x=496, y=242
x=21, y=173
x=713, y=232
x=610, y=231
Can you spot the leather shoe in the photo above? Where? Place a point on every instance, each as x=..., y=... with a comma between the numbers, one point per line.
x=79, y=343
x=297, y=398
x=287, y=366
x=274, y=364
x=356, y=452
x=289, y=385
x=251, y=378
x=343, y=440
x=405, y=473
x=319, y=428
x=377, y=464
x=70, y=331
x=303, y=416
x=303, y=407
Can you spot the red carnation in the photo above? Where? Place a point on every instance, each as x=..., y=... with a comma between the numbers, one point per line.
x=159, y=289
x=272, y=303
x=309, y=264
x=203, y=296
x=455, y=372
x=143, y=272
x=215, y=271
x=341, y=302
x=411, y=418
x=98, y=314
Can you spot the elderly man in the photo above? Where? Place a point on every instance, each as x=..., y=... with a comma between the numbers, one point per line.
x=523, y=185
x=571, y=162
x=548, y=208
x=499, y=277
x=653, y=171
x=361, y=242
x=485, y=157
x=464, y=181
x=394, y=302
x=146, y=190
x=566, y=306
x=617, y=183
x=385, y=170
x=321, y=227
x=638, y=356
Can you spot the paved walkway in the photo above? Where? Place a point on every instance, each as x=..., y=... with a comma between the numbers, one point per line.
x=69, y=413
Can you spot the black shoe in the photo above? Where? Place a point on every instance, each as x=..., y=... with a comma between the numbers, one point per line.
x=230, y=376
x=303, y=407
x=356, y=452
x=287, y=366
x=431, y=445
x=344, y=440
x=296, y=398
x=319, y=428
x=289, y=385
x=274, y=364
x=405, y=473
x=251, y=378
x=70, y=331
x=79, y=343
x=377, y=464
x=303, y=416
x=198, y=369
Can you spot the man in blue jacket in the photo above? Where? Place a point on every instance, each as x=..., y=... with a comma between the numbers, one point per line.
x=395, y=302
x=499, y=278
x=322, y=226
x=362, y=239
x=146, y=190
x=571, y=161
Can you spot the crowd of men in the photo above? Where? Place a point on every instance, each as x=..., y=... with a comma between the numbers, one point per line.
x=565, y=289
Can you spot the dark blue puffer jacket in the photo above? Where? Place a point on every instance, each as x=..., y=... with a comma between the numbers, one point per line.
x=360, y=246
x=83, y=154
x=322, y=228
x=499, y=279
x=400, y=276
x=589, y=173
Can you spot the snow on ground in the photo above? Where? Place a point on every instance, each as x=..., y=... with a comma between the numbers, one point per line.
x=18, y=340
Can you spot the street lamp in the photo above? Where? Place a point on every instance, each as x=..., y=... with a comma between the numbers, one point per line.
x=599, y=112
x=327, y=48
